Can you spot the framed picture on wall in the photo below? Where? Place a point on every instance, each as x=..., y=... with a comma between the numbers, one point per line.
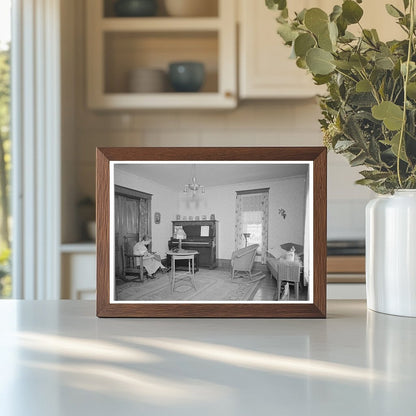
x=246, y=260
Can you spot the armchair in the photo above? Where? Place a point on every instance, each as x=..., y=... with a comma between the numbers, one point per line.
x=242, y=261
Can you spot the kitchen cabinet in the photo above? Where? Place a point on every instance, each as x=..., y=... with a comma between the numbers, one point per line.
x=118, y=45
x=78, y=263
x=265, y=69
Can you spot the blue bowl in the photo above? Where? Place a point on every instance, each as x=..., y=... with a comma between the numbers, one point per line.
x=135, y=8
x=187, y=76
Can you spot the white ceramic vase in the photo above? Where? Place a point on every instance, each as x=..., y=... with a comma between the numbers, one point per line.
x=391, y=253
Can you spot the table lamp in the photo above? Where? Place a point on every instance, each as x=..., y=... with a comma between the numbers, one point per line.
x=180, y=235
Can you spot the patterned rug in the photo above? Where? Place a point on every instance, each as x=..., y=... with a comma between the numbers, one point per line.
x=211, y=285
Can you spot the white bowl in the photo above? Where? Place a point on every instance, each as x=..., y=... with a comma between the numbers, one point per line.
x=147, y=80
x=191, y=8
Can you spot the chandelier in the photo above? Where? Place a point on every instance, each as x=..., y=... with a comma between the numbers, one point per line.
x=194, y=186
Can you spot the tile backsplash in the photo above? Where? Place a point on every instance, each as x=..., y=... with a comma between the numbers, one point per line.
x=271, y=123
x=253, y=123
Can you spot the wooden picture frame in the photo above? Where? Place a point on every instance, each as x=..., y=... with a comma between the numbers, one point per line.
x=315, y=157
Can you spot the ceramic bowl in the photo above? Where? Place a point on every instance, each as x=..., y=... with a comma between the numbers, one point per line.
x=186, y=76
x=191, y=8
x=135, y=8
x=147, y=80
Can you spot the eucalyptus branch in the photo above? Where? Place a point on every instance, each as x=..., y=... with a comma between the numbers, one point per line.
x=346, y=75
x=406, y=80
x=373, y=88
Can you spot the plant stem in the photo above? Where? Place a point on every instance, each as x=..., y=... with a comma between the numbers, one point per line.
x=346, y=75
x=406, y=80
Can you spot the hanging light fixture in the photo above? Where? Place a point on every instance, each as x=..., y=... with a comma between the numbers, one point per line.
x=194, y=186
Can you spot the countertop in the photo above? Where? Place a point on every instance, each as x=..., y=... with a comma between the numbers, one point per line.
x=57, y=358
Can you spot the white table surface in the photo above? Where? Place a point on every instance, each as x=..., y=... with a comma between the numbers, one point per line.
x=57, y=358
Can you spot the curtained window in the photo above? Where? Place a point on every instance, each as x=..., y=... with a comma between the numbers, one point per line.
x=252, y=220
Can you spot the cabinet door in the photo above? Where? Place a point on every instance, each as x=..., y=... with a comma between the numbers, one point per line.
x=265, y=68
x=266, y=71
x=78, y=276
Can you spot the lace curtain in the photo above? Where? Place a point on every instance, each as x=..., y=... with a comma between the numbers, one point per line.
x=252, y=216
x=144, y=226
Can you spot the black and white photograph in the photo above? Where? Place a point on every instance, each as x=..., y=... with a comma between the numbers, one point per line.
x=211, y=232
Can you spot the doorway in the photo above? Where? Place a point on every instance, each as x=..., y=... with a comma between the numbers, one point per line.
x=132, y=211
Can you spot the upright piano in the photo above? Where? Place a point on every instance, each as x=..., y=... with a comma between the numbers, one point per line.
x=200, y=236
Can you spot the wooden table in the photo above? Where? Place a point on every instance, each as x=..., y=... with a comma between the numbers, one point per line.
x=57, y=358
x=182, y=255
x=181, y=266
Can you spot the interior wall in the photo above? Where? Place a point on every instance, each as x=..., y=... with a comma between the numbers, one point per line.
x=286, y=193
x=253, y=123
x=164, y=200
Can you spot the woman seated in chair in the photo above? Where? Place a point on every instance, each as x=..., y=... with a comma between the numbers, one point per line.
x=151, y=261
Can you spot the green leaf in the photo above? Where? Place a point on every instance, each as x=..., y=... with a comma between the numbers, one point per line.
x=363, y=86
x=351, y=11
x=375, y=35
x=343, y=145
x=325, y=42
x=344, y=65
x=336, y=12
x=301, y=15
x=347, y=37
x=359, y=160
x=391, y=114
x=320, y=61
x=287, y=33
x=384, y=62
x=394, y=145
x=393, y=11
x=412, y=67
x=316, y=20
x=301, y=63
x=358, y=61
x=321, y=79
x=374, y=175
x=276, y=4
x=333, y=32
x=342, y=25
x=365, y=182
x=354, y=132
x=368, y=36
x=411, y=90
x=406, y=4
x=303, y=43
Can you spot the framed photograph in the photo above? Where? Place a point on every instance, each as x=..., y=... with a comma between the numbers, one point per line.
x=262, y=255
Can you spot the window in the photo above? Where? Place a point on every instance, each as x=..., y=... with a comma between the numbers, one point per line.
x=5, y=159
x=252, y=220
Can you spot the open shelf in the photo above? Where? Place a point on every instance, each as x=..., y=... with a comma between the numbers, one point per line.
x=160, y=24
x=119, y=45
x=169, y=100
x=126, y=51
x=210, y=6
